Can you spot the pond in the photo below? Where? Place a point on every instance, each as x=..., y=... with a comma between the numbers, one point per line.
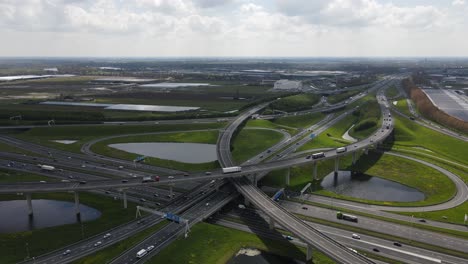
x=255, y=256
x=14, y=214
x=182, y=152
x=367, y=187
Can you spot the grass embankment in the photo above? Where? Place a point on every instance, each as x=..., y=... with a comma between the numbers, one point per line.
x=7, y=176
x=82, y=134
x=392, y=92
x=207, y=137
x=410, y=135
x=299, y=121
x=295, y=102
x=13, y=245
x=9, y=148
x=402, y=106
x=332, y=137
x=211, y=244
x=249, y=143
x=369, y=118
x=333, y=99
x=105, y=255
x=269, y=124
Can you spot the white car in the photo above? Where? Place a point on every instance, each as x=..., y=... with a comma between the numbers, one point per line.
x=97, y=244
x=66, y=252
x=170, y=177
x=107, y=235
x=150, y=248
x=355, y=236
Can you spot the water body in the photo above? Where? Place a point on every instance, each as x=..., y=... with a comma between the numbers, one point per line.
x=255, y=256
x=182, y=152
x=65, y=141
x=14, y=214
x=127, y=107
x=173, y=85
x=370, y=188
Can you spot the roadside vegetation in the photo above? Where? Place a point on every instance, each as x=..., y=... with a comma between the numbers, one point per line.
x=212, y=244
x=299, y=121
x=249, y=143
x=8, y=176
x=336, y=98
x=368, y=119
x=392, y=92
x=402, y=106
x=13, y=247
x=296, y=102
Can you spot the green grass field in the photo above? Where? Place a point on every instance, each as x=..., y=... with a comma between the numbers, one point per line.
x=13, y=245
x=295, y=102
x=391, y=92
x=211, y=244
x=402, y=106
x=410, y=134
x=369, y=118
x=207, y=137
x=82, y=134
x=331, y=137
x=269, y=124
x=335, y=98
x=249, y=143
x=299, y=121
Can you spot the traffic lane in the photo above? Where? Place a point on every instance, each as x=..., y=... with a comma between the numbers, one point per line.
x=406, y=232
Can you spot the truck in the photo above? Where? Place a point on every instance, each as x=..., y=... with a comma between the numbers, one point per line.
x=232, y=169
x=346, y=217
x=341, y=150
x=46, y=167
x=141, y=253
x=318, y=155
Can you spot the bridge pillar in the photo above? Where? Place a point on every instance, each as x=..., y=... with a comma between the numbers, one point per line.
x=272, y=223
x=314, y=174
x=124, y=193
x=288, y=176
x=77, y=203
x=246, y=201
x=354, y=157
x=255, y=179
x=309, y=253
x=30, y=209
x=366, y=151
x=337, y=165
x=171, y=191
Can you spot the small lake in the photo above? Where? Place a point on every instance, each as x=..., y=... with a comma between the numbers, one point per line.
x=14, y=214
x=255, y=256
x=182, y=152
x=370, y=188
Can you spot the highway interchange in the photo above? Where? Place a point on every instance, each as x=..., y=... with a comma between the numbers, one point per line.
x=336, y=251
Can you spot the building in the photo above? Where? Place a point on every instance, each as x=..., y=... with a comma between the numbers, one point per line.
x=287, y=85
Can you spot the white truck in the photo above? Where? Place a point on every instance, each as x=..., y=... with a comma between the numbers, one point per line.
x=232, y=169
x=341, y=150
x=141, y=253
x=46, y=167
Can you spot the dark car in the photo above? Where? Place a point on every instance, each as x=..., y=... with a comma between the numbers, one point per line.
x=376, y=249
x=422, y=220
x=82, y=182
x=124, y=181
x=398, y=244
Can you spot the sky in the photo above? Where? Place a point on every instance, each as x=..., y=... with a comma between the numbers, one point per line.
x=231, y=28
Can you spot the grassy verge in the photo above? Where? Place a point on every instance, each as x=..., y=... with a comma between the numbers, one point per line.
x=402, y=106
x=391, y=92
x=210, y=244
x=249, y=143
x=7, y=176
x=107, y=254
x=82, y=134
x=333, y=99
x=13, y=245
x=295, y=102
x=332, y=137
x=269, y=124
x=368, y=119
x=299, y=121
x=207, y=137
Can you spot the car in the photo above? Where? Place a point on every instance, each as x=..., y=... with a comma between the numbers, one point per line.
x=376, y=249
x=208, y=173
x=83, y=166
x=170, y=177
x=186, y=174
x=97, y=244
x=207, y=204
x=356, y=236
x=305, y=208
x=142, y=200
x=158, y=204
x=107, y=235
x=309, y=156
x=71, y=177
x=156, y=195
x=398, y=244
x=140, y=221
x=107, y=192
x=422, y=220
x=261, y=156
x=42, y=181
x=150, y=248
x=66, y=252
x=68, y=157
x=124, y=181
x=82, y=182
x=289, y=238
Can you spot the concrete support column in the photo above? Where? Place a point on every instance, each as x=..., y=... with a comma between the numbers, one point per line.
x=30, y=209
x=171, y=192
x=354, y=157
x=309, y=253
x=77, y=203
x=337, y=164
x=288, y=176
x=272, y=223
x=255, y=179
x=124, y=198
x=366, y=151
x=246, y=201
x=314, y=171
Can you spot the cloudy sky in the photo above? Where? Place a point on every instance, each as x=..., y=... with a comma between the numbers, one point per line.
x=153, y=28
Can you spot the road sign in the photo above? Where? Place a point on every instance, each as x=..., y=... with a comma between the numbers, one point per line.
x=172, y=217
x=312, y=135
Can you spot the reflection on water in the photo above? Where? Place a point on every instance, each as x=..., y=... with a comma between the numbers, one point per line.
x=370, y=188
x=14, y=214
x=182, y=152
x=255, y=256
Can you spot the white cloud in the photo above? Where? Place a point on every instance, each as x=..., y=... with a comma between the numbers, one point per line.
x=458, y=2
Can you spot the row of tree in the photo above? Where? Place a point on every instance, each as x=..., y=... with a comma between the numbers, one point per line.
x=429, y=110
